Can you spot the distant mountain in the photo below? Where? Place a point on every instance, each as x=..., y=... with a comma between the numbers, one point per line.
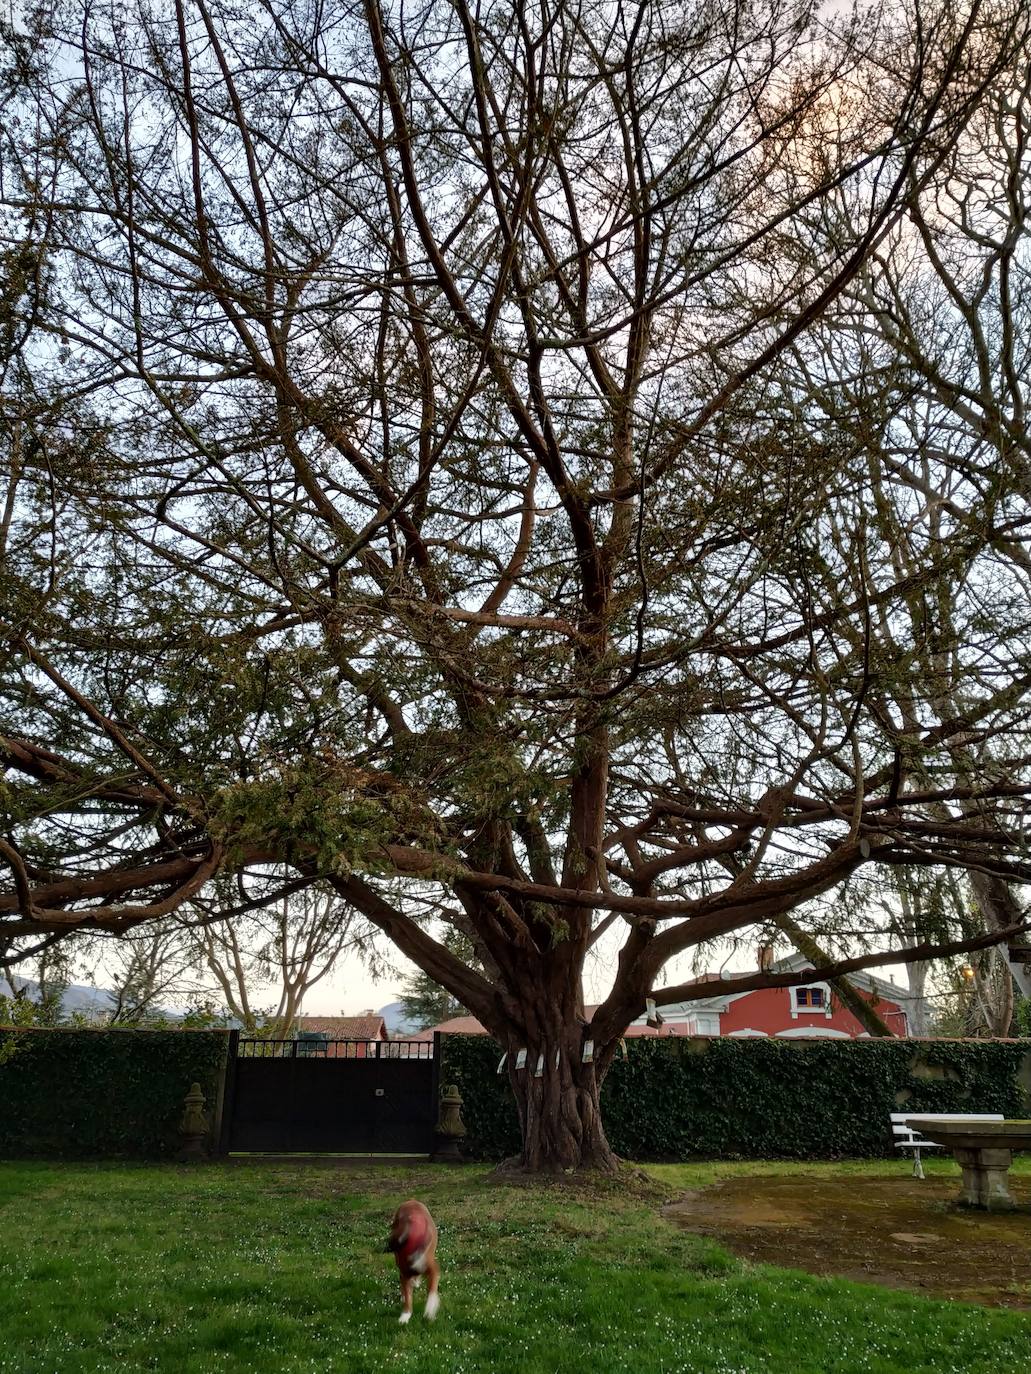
x=96, y=1001
x=89, y=1002
x=395, y=1020
x=77, y=998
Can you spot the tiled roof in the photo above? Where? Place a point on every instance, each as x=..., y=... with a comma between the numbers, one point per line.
x=458, y=1025
x=345, y=1027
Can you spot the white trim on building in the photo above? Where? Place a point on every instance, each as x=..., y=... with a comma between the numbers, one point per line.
x=824, y=1010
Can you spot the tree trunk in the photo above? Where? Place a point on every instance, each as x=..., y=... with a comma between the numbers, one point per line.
x=993, y=987
x=1000, y=908
x=533, y=1007
x=557, y=1096
x=559, y=1117
x=916, y=1004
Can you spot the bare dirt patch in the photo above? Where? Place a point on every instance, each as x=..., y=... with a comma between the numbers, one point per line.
x=902, y=1232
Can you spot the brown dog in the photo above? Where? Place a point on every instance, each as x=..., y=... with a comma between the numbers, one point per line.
x=413, y=1240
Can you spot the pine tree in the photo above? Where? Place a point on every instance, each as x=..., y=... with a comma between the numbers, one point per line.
x=424, y=1002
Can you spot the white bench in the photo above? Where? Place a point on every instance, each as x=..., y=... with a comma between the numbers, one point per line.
x=908, y=1139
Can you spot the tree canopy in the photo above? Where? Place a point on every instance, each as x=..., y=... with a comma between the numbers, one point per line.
x=555, y=468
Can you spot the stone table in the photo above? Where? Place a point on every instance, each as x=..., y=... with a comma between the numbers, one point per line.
x=984, y=1151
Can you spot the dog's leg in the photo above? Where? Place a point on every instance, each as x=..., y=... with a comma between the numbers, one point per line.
x=432, y=1299
x=406, y=1299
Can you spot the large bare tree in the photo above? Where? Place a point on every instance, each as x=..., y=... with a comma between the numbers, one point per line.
x=438, y=468
x=254, y=946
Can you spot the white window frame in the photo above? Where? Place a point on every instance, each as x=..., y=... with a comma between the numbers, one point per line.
x=824, y=1011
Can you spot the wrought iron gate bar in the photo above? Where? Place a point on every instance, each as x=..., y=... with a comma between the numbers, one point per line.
x=258, y=1048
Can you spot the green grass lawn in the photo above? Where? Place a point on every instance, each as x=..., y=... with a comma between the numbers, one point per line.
x=274, y=1269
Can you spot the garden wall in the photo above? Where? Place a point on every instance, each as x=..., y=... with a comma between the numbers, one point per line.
x=703, y=1097
x=82, y=1093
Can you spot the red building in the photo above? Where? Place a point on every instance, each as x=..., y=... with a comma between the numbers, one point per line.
x=800, y=1012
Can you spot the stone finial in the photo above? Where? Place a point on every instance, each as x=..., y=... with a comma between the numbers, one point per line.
x=450, y=1127
x=193, y=1126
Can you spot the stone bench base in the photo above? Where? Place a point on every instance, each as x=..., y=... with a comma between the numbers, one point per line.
x=984, y=1179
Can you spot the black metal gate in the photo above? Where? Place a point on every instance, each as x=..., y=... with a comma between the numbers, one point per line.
x=331, y=1096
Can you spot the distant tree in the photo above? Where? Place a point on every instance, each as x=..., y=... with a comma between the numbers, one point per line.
x=1021, y=1017
x=976, y=999
x=39, y=999
x=280, y=940
x=424, y=1001
x=148, y=970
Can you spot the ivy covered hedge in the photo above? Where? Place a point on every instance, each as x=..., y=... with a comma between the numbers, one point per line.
x=110, y=1093
x=102, y=1093
x=758, y=1098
